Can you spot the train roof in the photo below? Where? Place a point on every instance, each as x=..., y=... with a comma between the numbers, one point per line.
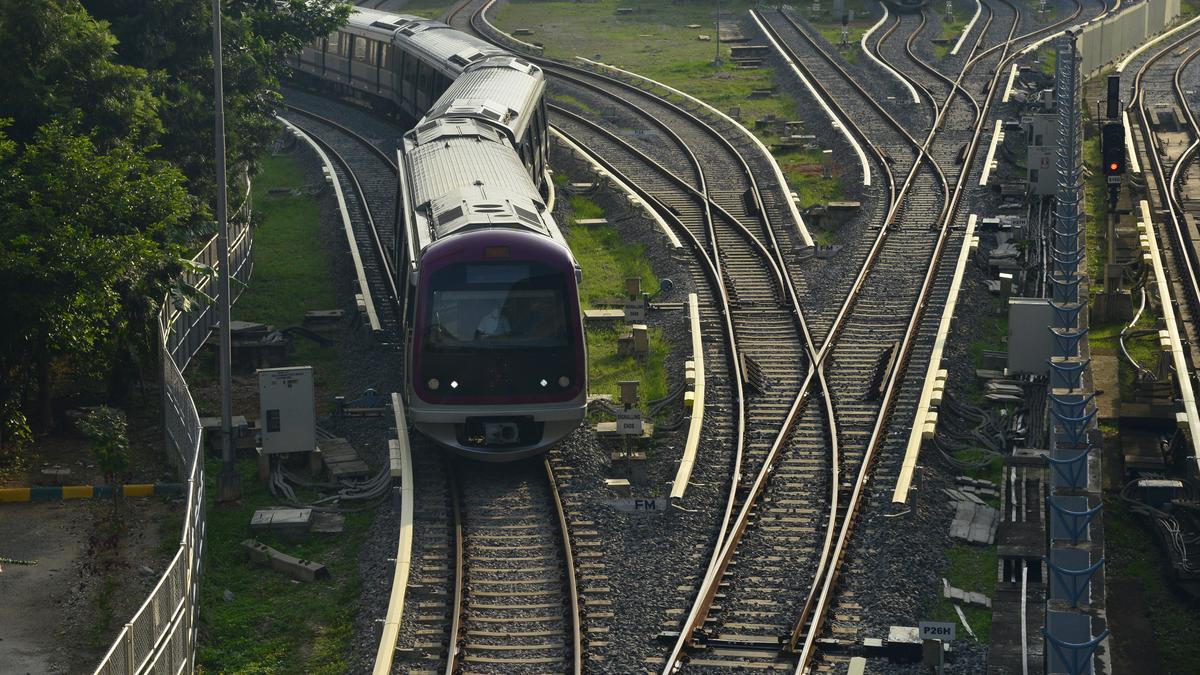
x=463, y=175
x=443, y=46
x=438, y=44
x=502, y=90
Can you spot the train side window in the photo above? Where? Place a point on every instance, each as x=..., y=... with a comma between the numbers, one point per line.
x=360, y=49
x=331, y=43
x=384, y=51
x=423, y=78
x=410, y=73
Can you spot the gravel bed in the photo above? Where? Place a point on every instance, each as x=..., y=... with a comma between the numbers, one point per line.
x=646, y=556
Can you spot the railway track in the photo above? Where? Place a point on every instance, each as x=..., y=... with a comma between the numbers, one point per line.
x=516, y=602
x=867, y=326
x=800, y=482
x=368, y=179
x=1159, y=87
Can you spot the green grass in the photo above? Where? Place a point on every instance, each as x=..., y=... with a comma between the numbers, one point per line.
x=803, y=170
x=993, y=470
x=950, y=32
x=289, y=270
x=607, y=260
x=1144, y=349
x=291, y=273
x=1132, y=552
x=991, y=336
x=606, y=368
x=1095, y=205
x=970, y=568
x=430, y=9
x=568, y=101
x=1047, y=58
x=273, y=625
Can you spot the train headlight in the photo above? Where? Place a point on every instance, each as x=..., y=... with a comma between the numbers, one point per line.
x=433, y=384
x=454, y=384
x=564, y=381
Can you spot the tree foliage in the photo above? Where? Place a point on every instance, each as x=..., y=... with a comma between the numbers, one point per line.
x=173, y=40
x=106, y=168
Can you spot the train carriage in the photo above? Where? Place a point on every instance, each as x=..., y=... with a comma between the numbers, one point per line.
x=496, y=361
x=496, y=357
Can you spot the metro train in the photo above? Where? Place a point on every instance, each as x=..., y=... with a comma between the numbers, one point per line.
x=496, y=363
x=907, y=6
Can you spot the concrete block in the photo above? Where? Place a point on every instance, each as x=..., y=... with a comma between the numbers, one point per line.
x=297, y=568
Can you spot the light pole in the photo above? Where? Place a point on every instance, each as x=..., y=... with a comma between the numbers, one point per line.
x=717, y=58
x=229, y=482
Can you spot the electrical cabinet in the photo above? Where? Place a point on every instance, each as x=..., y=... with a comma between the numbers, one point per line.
x=285, y=399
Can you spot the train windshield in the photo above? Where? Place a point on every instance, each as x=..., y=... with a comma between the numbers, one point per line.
x=494, y=305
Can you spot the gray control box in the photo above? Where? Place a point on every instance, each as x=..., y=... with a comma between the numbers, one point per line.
x=285, y=399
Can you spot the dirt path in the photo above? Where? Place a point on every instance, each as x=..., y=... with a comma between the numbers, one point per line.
x=62, y=614
x=56, y=537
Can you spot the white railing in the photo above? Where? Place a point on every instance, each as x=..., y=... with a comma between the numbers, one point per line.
x=161, y=636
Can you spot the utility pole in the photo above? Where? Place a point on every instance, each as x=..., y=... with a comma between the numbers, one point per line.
x=229, y=483
x=717, y=59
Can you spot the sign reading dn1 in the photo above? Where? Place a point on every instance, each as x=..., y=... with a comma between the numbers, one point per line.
x=937, y=630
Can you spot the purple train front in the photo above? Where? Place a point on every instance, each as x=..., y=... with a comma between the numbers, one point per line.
x=496, y=353
x=496, y=358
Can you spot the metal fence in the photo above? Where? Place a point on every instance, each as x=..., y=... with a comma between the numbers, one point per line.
x=161, y=636
x=1102, y=42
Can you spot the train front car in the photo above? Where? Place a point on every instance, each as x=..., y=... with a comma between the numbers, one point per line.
x=497, y=358
x=907, y=6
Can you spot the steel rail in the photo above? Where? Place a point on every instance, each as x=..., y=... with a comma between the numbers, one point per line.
x=484, y=28
x=793, y=410
x=711, y=582
x=569, y=562
x=1185, y=250
x=1170, y=201
x=459, y=567
x=453, y=653
x=380, y=251
x=814, y=621
x=922, y=154
x=777, y=262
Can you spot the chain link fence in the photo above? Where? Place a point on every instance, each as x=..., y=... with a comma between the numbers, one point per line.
x=161, y=636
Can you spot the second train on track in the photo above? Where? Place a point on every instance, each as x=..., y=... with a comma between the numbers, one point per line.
x=496, y=358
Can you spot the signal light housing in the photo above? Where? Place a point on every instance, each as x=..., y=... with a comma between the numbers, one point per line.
x=1112, y=147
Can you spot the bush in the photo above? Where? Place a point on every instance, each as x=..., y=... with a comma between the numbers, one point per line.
x=106, y=428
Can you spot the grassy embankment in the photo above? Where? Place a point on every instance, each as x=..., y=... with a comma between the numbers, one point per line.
x=655, y=41
x=1131, y=552
x=971, y=568
x=272, y=624
x=607, y=261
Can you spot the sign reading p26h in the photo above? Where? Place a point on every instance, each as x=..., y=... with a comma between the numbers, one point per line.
x=937, y=630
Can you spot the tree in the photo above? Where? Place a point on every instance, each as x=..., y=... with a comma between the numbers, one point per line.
x=83, y=236
x=106, y=168
x=172, y=40
x=58, y=67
